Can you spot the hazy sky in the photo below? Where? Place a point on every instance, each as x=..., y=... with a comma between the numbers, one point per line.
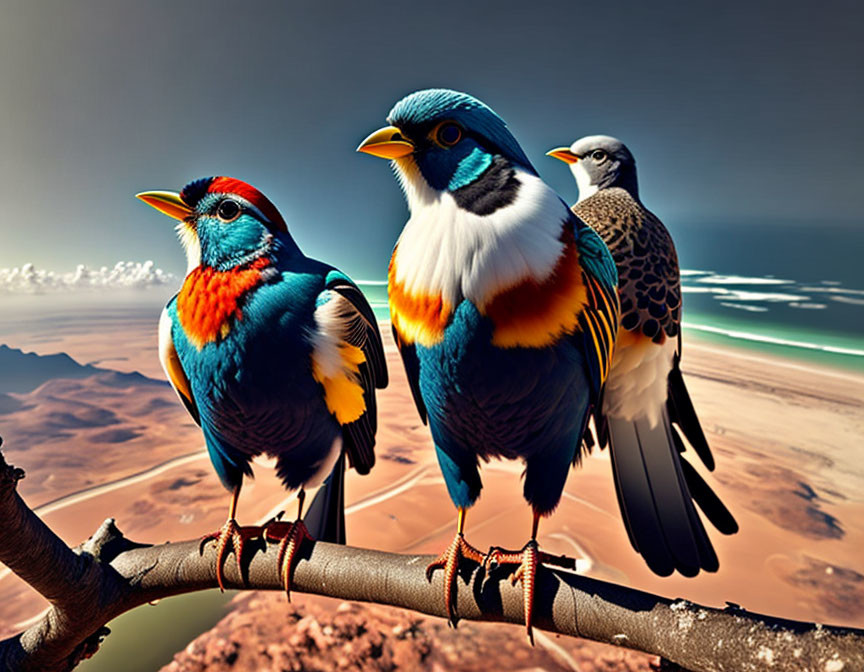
x=741, y=113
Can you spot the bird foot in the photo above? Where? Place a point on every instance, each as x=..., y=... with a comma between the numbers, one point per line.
x=230, y=535
x=290, y=537
x=528, y=560
x=449, y=562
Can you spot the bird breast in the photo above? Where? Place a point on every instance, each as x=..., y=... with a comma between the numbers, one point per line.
x=210, y=300
x=447, y=254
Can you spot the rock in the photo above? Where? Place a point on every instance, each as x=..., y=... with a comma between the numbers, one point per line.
x=315, y=634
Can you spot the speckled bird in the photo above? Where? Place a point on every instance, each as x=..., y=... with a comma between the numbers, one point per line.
x=503, y=305
x=272, y=353
x=645, y=397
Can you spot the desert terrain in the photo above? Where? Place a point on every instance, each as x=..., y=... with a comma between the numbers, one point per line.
x=785, y=436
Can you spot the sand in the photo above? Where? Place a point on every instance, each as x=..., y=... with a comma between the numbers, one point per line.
x=785, y=436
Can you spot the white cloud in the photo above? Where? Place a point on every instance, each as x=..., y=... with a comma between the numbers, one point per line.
x=123, y=275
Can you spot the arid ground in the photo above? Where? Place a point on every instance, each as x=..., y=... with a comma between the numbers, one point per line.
x=786, y=436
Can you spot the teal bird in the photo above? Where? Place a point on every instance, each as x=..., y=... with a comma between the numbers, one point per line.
x=503, y=305
x=272, y=353
x=646, y=403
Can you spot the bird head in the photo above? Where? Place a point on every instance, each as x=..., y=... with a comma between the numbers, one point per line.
x=223, y=222
x=599, y=162
x=442, y=141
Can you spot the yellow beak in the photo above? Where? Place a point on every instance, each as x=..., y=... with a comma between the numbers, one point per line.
x=167, y=202
x=563, y=154
x=386, y=143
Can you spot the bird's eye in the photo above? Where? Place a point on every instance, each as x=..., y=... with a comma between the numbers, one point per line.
x=448, y=134
x=598, y=155
x=228, y=210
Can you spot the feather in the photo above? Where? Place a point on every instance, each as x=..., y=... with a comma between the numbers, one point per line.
x=344, y=318
x=681, y=412
x=325, y=517
x=656, y=491
x=172, y=366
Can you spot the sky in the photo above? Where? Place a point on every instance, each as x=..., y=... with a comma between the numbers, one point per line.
x=748, y=114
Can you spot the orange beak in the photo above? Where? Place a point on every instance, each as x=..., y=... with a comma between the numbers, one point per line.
x=166, y=202
x=563, y=154
x=386, y=143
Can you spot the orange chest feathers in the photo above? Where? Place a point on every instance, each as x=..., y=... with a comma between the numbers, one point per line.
x=417, y=317
x=210, y=300
x=529, y=314
x=535, y=314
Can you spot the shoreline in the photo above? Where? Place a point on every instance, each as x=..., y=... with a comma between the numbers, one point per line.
x=837, y=349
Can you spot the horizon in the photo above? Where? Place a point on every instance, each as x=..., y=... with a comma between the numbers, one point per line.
x=109, y=102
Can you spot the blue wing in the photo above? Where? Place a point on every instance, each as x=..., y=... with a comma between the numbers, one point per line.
x=411, y=363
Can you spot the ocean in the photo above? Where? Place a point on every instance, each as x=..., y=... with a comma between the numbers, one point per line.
x=794, y=290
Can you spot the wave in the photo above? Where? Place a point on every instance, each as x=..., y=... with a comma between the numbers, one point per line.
x=848, y=299
x=725, y=294
x=809, y=306
x=833, y=290
x=743, y=280
x=772, y=340
x=740, y=306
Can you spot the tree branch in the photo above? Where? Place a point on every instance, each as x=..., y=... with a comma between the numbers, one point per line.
x=109, y=575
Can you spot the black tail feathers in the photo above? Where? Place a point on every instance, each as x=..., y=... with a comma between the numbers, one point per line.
x=325, y=518
x=656, y=490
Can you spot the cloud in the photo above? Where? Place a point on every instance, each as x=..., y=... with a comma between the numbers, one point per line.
x=123, y=275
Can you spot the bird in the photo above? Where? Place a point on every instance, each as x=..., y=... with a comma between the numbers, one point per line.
x=272, y=353
x=646, y=403
x=504, y=308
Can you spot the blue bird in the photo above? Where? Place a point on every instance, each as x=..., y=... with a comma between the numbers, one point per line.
x=504, y=307
x=272, y=353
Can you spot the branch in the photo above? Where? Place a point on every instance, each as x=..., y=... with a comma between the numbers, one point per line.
x=109, y=575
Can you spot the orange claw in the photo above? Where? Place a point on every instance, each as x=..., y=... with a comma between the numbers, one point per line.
x=291, y=537
x=230, y=534
x=528, y=560
x=449, y=561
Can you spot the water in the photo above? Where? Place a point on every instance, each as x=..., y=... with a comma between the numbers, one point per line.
x=795, y=290
x=146, y=639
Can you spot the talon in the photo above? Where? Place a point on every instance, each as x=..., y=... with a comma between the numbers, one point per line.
x=291, y=537
x=527, y=575
x=528, y=559
x=230, y=534
x=449, y=562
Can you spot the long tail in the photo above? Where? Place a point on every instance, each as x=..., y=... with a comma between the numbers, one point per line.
x=325, y=518
x=682, y=413
x=657, y=489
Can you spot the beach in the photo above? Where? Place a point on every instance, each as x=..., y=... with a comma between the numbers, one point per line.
x=784, y=434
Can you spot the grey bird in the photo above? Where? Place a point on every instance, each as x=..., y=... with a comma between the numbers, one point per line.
x=646, y=406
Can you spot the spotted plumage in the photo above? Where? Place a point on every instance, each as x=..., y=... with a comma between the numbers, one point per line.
x=271, y=352
x=645, y=398
x=503, y=305
x=648, y=277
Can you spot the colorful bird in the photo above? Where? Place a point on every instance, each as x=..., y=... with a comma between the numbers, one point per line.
x=272, y=353
x=504, y=308
x=645, y=395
